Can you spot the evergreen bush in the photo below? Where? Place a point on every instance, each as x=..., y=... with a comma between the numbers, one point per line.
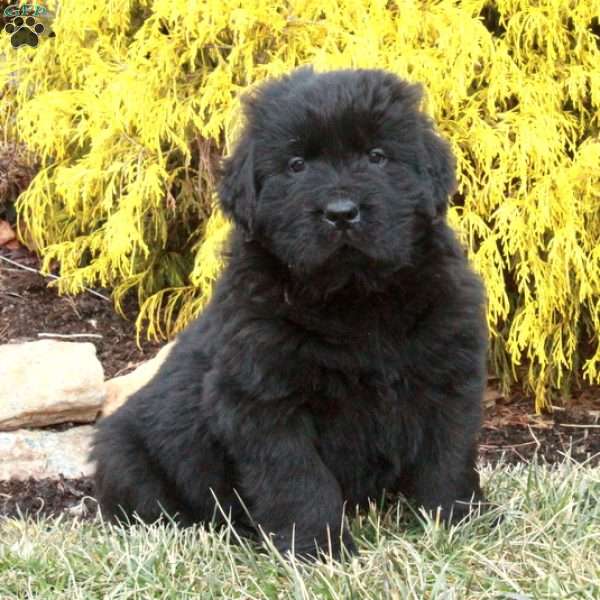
x=131, y=104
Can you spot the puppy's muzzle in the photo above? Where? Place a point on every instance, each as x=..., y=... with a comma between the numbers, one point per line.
x=342, y=214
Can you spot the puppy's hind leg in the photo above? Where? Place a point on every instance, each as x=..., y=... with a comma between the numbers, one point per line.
x=129, y=483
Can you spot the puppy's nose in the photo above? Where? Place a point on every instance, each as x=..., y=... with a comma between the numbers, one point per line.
x=341, y=213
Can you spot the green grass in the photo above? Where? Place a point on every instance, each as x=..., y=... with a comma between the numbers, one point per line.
x=546, y=546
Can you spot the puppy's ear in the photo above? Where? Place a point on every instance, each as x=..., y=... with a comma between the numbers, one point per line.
x=440, y=168
x=237, y=189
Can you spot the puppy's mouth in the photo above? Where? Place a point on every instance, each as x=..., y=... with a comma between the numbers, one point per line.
x=345, y=239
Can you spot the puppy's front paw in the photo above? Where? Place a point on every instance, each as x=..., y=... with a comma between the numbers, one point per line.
x=462, y=510
x=340, y=548
x=311, y=549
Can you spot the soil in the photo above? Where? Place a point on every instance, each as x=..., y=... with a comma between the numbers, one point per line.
x=511, y=432
x=30, y=310
x=48, y=498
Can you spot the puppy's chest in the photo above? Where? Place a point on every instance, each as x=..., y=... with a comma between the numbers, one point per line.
x=360, y=395
x=365, y=374
x=366, y=431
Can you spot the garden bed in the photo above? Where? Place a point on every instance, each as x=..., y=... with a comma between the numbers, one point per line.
x=511, y=432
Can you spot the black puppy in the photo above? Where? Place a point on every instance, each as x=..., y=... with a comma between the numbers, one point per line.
x=343, y=351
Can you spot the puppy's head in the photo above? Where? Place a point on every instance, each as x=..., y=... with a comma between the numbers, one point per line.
x=338, y=168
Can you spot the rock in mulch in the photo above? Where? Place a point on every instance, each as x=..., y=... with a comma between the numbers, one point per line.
x=45, y=454
x=119, y=389
x=49, y=382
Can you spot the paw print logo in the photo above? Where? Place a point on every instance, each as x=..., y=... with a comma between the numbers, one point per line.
x=24, y=31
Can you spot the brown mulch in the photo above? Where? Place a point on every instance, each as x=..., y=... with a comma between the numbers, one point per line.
x=48, y=498
x=512, y=432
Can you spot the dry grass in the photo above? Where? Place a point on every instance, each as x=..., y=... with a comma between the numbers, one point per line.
x=546, y=546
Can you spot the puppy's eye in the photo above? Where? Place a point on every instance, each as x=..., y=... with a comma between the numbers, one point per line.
x=377, y=156
x=296, y=164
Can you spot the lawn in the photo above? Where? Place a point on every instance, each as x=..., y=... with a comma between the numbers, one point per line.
x=547, y=545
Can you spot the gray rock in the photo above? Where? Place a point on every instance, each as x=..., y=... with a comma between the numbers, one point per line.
x=41, y=454
x=49, y=382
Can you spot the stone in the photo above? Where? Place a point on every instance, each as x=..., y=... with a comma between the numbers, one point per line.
x=40, y=454
x=49, y=382
x=120, y=388
x=7, y=233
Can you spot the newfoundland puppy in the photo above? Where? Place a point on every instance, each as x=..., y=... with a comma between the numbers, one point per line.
x=342, y=354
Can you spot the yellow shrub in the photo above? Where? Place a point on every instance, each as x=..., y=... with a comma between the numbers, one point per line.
x=131, y=101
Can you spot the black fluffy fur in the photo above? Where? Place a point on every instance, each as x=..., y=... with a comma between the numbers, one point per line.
x=327, y=368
